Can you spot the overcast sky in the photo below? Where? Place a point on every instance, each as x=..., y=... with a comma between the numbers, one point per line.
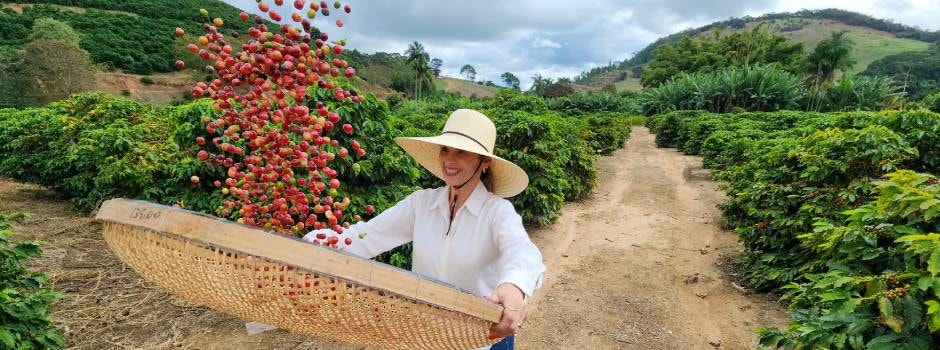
x=556, y=38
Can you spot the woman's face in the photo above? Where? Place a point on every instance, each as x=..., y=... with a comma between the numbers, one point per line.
x=458, y=165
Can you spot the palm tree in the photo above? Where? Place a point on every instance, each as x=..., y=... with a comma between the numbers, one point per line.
x=539, y=83
x=418, y=58
x=469, y=71
x=830, y=55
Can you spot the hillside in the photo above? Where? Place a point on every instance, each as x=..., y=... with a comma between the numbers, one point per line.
x=870, y=44
x=465, y=87
x=134, y=36
x=874, y=39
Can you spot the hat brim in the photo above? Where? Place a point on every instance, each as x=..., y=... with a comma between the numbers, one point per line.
x=508, y=178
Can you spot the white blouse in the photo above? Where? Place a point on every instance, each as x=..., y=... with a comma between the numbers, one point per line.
x=486, y=246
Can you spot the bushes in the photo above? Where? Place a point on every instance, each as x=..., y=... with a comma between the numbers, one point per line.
x=509, y=99
x=861, y=93
x=786, y=183
x=881, y=289
x=765, y=88
x=932, y=102
x=534, y=144
x=605, y=132
x=856, y=256
x=557, y=151
x=921, y=130
x=754, y=88
x=92, y=147
x=25, y=322
x=593, y=102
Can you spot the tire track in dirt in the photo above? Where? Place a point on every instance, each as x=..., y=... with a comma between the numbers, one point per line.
x=636, y=265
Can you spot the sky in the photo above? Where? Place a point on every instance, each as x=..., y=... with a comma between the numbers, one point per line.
x=555, y=38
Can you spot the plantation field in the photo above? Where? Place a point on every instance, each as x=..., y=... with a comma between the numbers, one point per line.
x=18, y=7
x=837, y=211
x=649, y=272
x=748, y=165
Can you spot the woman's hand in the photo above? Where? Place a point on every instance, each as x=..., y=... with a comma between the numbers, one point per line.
x=514, y=310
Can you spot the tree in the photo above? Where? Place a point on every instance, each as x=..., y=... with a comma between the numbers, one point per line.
x=468, y=71
x=510, y=80
x=637, y=71
x=917, y=72
x=436, y=67
x=55, y=69
x=742, y=49
x=558, y=90
x=539, y=83
x=418, y=58
x=51, y=29
x=12, y=78
x=830, y=55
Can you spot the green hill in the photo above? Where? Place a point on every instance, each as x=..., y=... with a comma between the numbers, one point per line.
x=135, y=36
x=874, y=39
x=465, y=87
x=870, y=44
x=386, y=72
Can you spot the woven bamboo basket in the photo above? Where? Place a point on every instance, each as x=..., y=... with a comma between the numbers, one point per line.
x=292, y=284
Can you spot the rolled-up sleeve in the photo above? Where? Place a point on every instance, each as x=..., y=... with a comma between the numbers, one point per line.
x=520, y=261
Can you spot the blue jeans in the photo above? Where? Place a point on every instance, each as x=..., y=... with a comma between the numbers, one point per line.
x=505, y=344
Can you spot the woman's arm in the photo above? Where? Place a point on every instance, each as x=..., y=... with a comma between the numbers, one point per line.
x=520, y=262
x=520, y=270
x=389, y=229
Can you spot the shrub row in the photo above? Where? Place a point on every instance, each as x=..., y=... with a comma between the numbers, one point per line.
x=797, y=183
x=93, y=147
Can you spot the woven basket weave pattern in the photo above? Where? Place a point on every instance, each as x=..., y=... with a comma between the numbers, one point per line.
x=289, y=296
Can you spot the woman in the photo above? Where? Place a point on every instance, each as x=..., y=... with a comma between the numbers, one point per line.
x=464, y=233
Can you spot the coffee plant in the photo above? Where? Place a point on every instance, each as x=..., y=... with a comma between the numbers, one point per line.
x=830, y=218
x=25, y=321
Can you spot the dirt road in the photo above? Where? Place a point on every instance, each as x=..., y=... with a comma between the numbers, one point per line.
x=635, y=266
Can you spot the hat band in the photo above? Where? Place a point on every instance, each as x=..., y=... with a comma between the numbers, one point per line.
x=471, y=139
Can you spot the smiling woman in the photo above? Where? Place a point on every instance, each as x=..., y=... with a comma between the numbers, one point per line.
x=465, y=233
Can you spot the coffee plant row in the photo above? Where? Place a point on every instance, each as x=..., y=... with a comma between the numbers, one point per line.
x=839, y=212
x=94, y=146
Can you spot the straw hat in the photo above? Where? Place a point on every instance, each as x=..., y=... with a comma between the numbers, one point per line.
x=470, y=131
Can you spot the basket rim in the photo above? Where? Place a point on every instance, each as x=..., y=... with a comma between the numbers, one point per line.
x=111, y=210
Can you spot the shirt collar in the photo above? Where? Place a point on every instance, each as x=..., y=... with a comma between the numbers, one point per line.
x=474, y=204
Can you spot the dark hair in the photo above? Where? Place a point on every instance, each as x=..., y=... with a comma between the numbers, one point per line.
x=485, y=177
x=487, y=181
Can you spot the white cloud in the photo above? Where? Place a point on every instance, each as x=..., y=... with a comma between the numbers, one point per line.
x=545, y=43
x=557, y=38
